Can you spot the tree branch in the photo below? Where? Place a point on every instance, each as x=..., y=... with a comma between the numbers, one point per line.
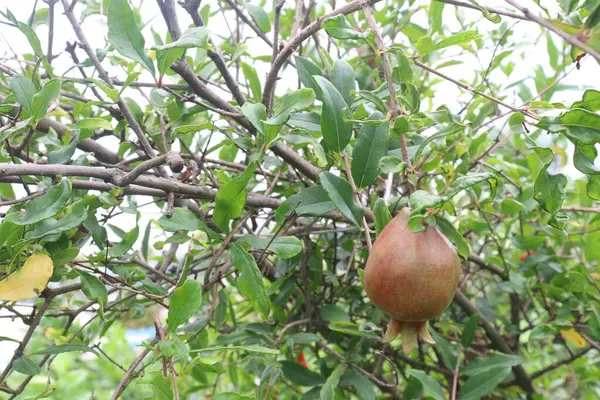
x=572, y=40
x=490, y=9
x=297, y=40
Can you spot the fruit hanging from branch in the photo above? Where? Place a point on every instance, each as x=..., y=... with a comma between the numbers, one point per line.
x=412, y=277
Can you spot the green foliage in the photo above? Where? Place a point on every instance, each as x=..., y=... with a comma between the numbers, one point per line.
x=246, y=281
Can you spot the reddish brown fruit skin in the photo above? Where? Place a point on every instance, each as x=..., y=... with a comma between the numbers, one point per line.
x=411, y=276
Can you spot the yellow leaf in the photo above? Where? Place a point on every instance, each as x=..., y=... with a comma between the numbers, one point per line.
x=571, y=336
x=29, y=281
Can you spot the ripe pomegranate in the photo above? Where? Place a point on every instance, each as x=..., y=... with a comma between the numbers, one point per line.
x=412, y=277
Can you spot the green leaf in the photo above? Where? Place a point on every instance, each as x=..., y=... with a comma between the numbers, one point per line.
x=436, y=9
x=166, y=58
x=349, y=328
x=594, y=18
x=336, y=132
x=482, y=384
x=178, y=238
x=495, y=18
x=146, y=241
x=24, y=90
x=391, y=164
x=304, y=338
x=160, y=386
x=332, y=382
x=483, y=364
x=34, y=41
x=333, y=313
x=65, y=256
x=310, y=121
x=464, y=182
x=112, y=94
x=256, y=114
x=431, y=388
x=250, y=281
x=231, y=198
x=77, y=214
x=26, y=366
x=550, y=190
x=306, y=69
x=341, y=195
x=196, y=37
x=580, y=125
x=42, y=99
x=371, y=146
x=364, y=387
x=7, y=339
x=425, y=45
x=447, y=350
x=404, y=71
x=47, y=205
x=161, y=98
x=511, y=206
x=382, y=215
x=468, y=333
x=590, y=101
x=313, y=200
x=342, y=77
x=338, y=27
x=98, y=232
x=127, y=243
x=299, y=375
x=63, y=155
x=373, y=98
x=260, y=16
x=422, y=199
x=593, y=187
x=290, y=102
x=584, y=159
x=18, y=128
x=186, y=301
x=65, y=348
x=283, y=246
x=459, y=38
x=93, y=288
x=253, y=81
x=181, y=220
x=454, y=236
x=124, y=34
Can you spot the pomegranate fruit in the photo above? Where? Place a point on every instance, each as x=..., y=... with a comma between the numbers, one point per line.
x=412, y=277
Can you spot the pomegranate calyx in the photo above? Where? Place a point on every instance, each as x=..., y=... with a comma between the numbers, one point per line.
x=392, y=332
x=410, y=333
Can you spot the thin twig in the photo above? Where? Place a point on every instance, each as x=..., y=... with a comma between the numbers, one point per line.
x=394, y=109
x=490, y=9
x=455, y=375
x=473, y=90
x=356, y=199
x=161, y=334
x=573, y=40
x=128, y=375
